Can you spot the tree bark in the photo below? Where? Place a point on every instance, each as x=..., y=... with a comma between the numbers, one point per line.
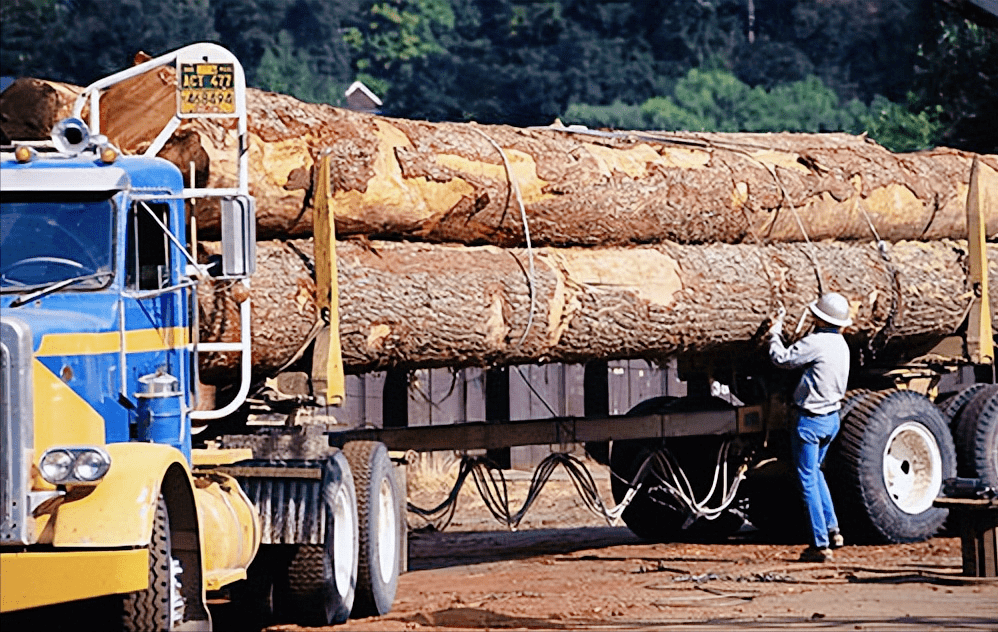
x=29, y=108
x=421, y=305
x=458, y=182
x=454, y=182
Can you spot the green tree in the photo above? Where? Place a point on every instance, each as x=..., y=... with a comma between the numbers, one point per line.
x=248, y=28
x=288, y=70
x=391, y=33
x=23, y=51
x=317, y=29
x=100, y=37
x=617, y=115
x=957, y=83
x=898, y=127
x=715, y=100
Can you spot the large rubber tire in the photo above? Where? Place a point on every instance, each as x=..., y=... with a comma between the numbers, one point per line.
x=378, y=512
x=953, y=405
x=977, y=438
x=652, y=515
x=887, y=466
x=155, y=609
x=321, y=578
x=648, y=519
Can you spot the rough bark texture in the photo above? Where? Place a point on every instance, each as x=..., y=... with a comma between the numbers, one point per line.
x=421, y=305
x=452, y=182
x=29, y=108
x=131, y=115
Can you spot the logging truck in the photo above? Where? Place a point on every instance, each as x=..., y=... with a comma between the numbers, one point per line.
x=122, y=488
x=114, y=514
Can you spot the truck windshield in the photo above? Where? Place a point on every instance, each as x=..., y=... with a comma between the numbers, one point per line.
x=47, y=238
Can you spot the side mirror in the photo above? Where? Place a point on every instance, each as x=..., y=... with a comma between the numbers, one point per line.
x=238, y=236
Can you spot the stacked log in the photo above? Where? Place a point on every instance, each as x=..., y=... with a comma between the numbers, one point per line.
x=463, y=182
x=418, y=305
x=644, y=244
x=447, y=182
x=29, y=108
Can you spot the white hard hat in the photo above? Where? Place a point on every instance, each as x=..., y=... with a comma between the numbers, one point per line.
x=832, y=308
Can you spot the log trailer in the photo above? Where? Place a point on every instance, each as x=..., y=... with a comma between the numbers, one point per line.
x=304, y=520
x=114, y=514
x=699, y=465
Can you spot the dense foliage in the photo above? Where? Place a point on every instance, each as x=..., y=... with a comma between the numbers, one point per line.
x=908, y=72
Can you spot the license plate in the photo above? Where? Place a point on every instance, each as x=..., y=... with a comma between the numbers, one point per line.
x=207, y=89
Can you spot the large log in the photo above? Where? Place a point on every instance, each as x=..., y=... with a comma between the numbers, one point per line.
x=454, y=182
x=421, y=305
x=29, y=108
x=131, y=115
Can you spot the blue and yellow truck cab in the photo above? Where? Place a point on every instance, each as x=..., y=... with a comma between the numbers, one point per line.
x=106, y=503
x=99, y=493
x=98, y=376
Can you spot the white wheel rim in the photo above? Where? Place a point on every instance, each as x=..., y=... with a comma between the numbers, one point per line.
x=913, y=470
x=343, y=542
x=176, y=593
x=387, y=531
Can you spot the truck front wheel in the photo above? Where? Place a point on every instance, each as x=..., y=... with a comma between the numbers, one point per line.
x=887, y=466
x=379, y=528
x=160, y=606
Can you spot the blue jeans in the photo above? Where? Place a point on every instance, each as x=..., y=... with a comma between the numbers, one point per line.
x=809, y=442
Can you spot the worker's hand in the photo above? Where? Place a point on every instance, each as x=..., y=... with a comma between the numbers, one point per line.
x=776, y=329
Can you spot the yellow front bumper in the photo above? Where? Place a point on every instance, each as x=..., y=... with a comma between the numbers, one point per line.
x=29, y=580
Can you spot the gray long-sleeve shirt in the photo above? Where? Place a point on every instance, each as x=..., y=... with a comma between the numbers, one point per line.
x=824, y=356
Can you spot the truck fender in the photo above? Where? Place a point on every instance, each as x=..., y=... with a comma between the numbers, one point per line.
x=119, y=512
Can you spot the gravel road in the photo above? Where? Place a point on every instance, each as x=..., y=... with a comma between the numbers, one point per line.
x=566, y=569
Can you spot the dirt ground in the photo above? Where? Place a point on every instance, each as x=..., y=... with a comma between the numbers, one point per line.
x=566, y=569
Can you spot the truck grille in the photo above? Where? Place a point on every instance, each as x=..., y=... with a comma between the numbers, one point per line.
x=16, y=430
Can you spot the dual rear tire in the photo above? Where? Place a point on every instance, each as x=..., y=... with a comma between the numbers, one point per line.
x=975, y=429
x=884, y=470
x=381, y=527
x=322, y=578
x=354, y=572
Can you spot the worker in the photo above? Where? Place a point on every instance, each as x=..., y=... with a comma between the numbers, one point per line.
x=824, y=356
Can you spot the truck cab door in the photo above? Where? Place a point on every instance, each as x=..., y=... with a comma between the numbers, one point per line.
x=155, y=322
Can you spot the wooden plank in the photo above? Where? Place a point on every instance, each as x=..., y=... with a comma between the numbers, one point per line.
x=273, y=472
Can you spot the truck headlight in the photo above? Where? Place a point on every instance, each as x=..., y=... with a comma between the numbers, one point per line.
x=56, y=465
x=69, y=466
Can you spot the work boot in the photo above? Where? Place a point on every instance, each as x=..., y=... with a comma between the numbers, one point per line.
x=835, y=540
x=814, y=554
